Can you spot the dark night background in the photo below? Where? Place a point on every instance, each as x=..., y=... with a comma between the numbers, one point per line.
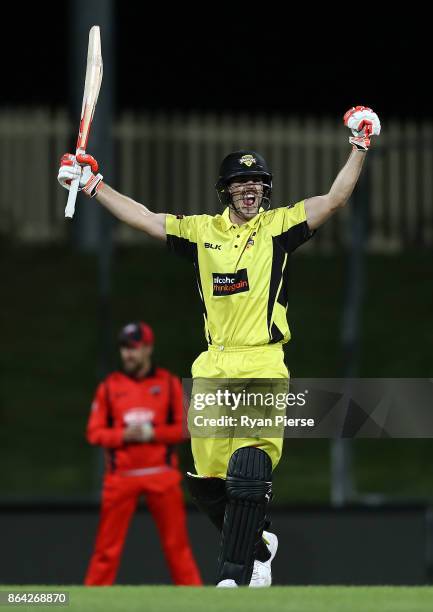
x=226, y=56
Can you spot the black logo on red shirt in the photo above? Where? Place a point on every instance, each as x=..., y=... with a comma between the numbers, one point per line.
x=228, y=283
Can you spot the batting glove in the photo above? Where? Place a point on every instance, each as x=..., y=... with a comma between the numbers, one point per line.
x=364, y=123
x=82, y=166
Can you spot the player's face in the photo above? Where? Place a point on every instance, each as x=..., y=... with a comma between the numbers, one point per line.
x=135, y=358
x=247, y=196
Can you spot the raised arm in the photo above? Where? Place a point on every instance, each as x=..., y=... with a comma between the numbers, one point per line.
x=131, y=212
x=124, y=208
x=364, y=123
x=319, y=208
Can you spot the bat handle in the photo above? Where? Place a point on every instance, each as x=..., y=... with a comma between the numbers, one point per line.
x=73, y=191
x=70, y=205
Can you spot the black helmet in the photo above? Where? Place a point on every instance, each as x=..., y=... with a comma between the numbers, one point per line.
x=243, y=164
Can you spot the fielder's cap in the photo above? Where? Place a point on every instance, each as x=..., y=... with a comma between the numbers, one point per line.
x=136, y=334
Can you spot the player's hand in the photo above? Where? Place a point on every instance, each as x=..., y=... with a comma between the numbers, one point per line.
x=138, y=433
x=147, y=432
x=364, y=123
x=132, y=433
x=83, y=167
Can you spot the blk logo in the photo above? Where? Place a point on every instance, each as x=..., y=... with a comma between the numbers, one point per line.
x=209, y=245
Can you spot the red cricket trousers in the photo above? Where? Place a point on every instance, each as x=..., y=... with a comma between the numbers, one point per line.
x=164, y=500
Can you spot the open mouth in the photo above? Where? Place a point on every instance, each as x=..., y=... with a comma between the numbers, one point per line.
x=249, y=198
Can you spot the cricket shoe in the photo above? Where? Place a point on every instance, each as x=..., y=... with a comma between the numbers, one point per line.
x=228, y=583
x=262, y=574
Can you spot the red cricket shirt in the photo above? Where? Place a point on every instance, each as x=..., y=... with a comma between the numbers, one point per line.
x=121, y=400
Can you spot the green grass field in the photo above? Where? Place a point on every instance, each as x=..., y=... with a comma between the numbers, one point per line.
x=287, y=599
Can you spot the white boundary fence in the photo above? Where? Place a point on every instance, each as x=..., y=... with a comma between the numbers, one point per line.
x=170, y=163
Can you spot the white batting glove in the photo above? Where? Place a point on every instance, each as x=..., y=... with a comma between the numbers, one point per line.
x=82, y=166
x=364, y=123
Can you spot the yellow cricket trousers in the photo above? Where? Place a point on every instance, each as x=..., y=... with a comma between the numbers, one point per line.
x=212, y=454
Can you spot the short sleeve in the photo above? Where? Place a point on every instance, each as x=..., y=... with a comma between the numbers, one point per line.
x=288, y=225
x=182, y=234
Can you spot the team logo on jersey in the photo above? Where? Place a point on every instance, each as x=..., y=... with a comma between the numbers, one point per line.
x=138, y=416
x=155, y=390
x=248, y=160
x=228, y=283
x=250, y=243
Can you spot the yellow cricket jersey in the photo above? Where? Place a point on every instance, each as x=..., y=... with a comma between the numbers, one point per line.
x=241, y=271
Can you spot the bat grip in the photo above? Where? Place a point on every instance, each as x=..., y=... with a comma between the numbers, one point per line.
x=70, y=205
x=73, y=191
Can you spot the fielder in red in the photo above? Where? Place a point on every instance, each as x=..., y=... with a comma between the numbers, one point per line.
x=136, y=417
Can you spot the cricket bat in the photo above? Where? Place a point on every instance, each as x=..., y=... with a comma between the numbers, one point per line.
x=92, y=86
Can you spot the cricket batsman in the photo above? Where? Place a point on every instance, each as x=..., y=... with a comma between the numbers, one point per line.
x=137, y=417
x=241, y=261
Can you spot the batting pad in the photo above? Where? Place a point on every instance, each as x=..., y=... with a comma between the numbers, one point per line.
x=248, y=488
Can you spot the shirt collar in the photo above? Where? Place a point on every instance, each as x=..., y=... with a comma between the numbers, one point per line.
x=227, y=222
x=149, y=374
